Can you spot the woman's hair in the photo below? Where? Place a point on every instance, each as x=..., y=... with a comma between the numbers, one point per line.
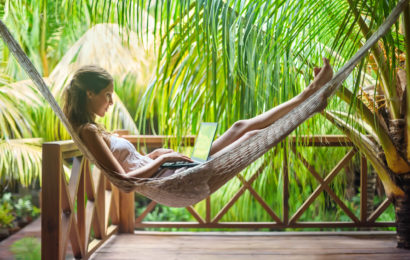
x=87, y=78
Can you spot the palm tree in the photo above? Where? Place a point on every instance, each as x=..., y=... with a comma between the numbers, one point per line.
x=383, y=111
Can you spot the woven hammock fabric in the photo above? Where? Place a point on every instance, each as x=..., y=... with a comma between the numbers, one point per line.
x=192, y=185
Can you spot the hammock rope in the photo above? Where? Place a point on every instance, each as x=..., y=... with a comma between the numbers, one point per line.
x=189, y=186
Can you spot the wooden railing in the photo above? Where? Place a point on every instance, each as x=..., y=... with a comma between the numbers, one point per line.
x=86, y=209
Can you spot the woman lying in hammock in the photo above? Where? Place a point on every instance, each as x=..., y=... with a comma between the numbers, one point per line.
x=90, y=94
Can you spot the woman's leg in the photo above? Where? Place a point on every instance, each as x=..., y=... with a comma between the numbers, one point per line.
x=251, y=126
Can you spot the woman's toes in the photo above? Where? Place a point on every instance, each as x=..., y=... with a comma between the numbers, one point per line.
x=316, y=71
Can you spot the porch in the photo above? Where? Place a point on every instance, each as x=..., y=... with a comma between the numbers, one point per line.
x=86, y=215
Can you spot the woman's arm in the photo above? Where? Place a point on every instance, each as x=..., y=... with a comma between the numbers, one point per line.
x=97, y=146
x=148, y=170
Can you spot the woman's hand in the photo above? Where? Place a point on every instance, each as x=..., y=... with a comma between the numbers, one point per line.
x=174, y=157
x=158, y=152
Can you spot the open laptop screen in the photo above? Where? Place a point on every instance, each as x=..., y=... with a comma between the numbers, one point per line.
x=204, y=141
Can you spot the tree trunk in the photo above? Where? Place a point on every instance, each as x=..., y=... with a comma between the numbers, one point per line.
x=371, y=190
x=402, y=208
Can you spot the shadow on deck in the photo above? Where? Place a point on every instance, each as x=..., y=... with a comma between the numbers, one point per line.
x=252, y=245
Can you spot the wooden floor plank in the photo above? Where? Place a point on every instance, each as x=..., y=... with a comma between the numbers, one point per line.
x=201, y=245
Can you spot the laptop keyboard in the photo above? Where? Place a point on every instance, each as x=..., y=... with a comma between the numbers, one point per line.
x=179, y=164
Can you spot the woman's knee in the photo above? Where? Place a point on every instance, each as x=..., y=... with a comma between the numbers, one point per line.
x=240, y=126
x=251, y=133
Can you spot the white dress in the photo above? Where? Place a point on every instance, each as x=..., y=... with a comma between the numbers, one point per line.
x=126, y=154
x=130, y=159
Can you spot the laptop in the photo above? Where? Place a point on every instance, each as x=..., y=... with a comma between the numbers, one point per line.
x=202, y=147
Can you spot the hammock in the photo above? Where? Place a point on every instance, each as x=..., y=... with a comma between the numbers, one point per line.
x=192, y=185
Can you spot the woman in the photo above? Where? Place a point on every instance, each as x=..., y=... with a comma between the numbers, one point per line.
x=90, y=94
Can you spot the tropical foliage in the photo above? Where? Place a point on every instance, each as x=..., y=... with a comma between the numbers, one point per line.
x=219, y=61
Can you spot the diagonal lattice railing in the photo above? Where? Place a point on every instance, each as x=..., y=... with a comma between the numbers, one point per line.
x=282, y=219
x=83, y=210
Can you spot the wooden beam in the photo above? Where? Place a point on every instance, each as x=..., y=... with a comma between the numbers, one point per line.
x=285, y=186
x=90, y=206
x=51, y=246
x=89, y=182
x=256, y=225
x=108, y=202
x=382, y=207
x=67, y=220
x=75, y=178
x=195, y=214
x=76, y=245
x=208, y=209
x=100, y=202
x=69, y=149
x=363, y=188
x=320, y=140
x=147, y=210
x=115, y=204
x=89, y=211
x=96, y=243
x=127, y=214
x=65, y=229
x=158, y=139
x=81, y=210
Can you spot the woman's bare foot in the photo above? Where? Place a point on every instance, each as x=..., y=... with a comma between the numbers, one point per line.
x=322, y=75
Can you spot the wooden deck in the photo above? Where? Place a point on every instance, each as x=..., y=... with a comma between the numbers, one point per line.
x=245, y=245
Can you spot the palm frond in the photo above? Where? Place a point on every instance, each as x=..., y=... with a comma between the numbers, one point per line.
x=21, y=161
x=369, y=148
x=15, y=99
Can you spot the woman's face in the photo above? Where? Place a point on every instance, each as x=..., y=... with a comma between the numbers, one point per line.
x=99, y=103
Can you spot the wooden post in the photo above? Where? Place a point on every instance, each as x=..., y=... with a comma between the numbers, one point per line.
x=51, y=247
x=100, y=204
x=285, y=186
x=127, y=213
x=363, y=189
x=126, y=205
x=81, y=210
x=208, y=210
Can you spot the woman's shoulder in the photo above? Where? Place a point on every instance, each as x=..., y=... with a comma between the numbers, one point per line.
x=92, y=131
x=87, y=130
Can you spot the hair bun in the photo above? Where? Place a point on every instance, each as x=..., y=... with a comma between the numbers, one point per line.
x=72, y=85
